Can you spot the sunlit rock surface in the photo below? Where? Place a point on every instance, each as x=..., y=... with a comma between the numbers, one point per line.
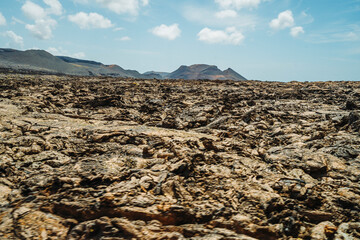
x=107, y=158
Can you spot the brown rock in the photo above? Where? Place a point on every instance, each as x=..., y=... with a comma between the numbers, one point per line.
x=323, y=231
x=112, y=158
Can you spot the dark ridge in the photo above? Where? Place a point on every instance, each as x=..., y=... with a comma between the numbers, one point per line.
x=40, y=61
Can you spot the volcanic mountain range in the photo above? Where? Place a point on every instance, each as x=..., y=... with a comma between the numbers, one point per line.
x=40, y=61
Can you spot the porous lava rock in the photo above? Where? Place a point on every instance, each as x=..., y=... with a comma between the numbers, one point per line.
x=111, y=158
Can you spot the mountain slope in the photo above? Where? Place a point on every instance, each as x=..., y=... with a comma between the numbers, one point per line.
x=97, y=68
x=203, y=71
x=42, y=61
x=231, y=74
x=158, y=75
x=37, y=60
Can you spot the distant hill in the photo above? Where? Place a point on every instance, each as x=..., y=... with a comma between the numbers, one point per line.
x=203, y=71
x=160, y=75
x=44, y=62
x=37, y=60
x=97, y=68
x=231, y=74
x=79, y=61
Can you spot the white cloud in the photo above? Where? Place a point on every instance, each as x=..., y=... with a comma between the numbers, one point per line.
x=90, y=20
x=284, y=20
x=296, y=31
x=226, y=14
x=305, y=18
x=18, y=40
x=351, y=36
x=131, y=7
x=126, y=38
x=55, y=51
x=203, y=16
x=33, y=11
x=238, y=4
x=81, y=1
x=169, y=32
x=79, y=55
x=118, y=29
x=2, y=20
x=55, y=7
x=42, y=29
x=16, y=20
x=229, y=36
x=44, y=24
x=61, y=52
x=346, y=36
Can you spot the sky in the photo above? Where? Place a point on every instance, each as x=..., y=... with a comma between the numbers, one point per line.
x=270, y=40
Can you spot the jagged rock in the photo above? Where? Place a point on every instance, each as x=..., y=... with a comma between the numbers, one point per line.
x=111, y=158
x=323, y=231
x=349, y=230
x=350, y=105
x=30, y=224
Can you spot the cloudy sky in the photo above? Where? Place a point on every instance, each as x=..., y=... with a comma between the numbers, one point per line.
x=276, y=40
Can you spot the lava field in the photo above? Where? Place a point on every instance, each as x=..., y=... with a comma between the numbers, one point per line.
x=111, y=158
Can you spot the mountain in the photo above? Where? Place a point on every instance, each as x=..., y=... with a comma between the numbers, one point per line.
x=99, y=69
x=231, y=74
x=203, y=71
x=79, y=61
x=40, y=61
x=159, y=75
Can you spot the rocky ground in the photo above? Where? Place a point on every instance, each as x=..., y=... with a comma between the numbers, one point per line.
x=105, y=158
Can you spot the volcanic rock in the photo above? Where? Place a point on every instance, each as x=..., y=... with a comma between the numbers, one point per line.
x=118, y=158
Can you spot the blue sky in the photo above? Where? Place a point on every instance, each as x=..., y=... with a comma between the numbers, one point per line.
x=275, y=40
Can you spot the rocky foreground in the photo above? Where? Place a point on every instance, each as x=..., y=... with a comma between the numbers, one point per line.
x=105, y=158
